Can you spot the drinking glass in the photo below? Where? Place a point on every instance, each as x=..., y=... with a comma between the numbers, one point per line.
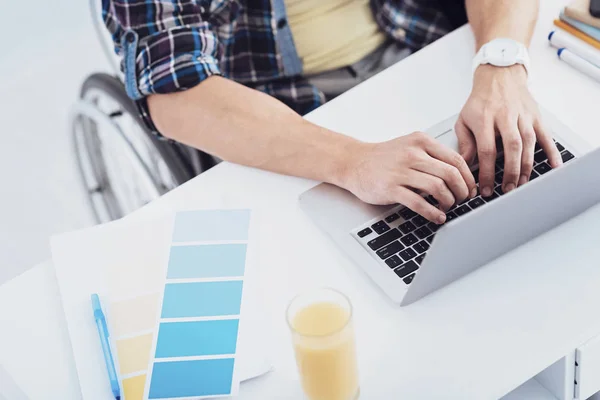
x=324, y=344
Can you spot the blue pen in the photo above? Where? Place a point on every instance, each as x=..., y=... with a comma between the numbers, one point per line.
x=108, y=358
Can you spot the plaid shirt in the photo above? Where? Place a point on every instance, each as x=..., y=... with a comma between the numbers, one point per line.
x=172, y=45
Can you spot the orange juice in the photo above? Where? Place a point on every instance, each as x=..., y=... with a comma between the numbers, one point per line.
x=325, y=351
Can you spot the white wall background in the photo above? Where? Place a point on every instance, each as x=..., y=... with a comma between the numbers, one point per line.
x=47, y=48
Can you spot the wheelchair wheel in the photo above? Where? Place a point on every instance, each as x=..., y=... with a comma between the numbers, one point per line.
x=122, y=165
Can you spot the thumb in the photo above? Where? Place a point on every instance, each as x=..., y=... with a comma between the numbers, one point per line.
x=466, y=141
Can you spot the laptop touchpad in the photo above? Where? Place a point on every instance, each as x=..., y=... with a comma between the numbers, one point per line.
x=449, y=139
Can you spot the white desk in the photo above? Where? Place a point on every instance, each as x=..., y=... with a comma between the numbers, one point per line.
x=479, y=338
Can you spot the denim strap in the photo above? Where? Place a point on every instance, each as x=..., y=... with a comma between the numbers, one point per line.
x=129, y=42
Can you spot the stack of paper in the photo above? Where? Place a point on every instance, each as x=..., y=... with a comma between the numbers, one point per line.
x=580, y=10
x=577, y=20
x=578, y=39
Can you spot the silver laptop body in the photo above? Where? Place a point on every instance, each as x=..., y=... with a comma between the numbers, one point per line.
x=466, y=243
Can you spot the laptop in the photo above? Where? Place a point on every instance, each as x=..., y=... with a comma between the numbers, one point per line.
x=409, y=257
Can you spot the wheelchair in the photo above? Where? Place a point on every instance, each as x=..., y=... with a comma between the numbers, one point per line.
x=122, y=165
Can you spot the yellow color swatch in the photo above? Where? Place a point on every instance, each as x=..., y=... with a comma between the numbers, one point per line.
x=135, y=315
x=134, y=353
x=133, y=388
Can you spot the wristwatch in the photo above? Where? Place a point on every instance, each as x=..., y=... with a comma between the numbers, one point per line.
x=502, y=52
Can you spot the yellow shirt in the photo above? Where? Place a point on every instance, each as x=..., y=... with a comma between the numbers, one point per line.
x=330, y=34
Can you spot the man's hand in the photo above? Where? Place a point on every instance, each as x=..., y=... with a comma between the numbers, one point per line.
x=392, y=172
x=500, y=104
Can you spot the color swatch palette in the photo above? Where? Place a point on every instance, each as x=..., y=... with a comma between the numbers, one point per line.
x=178, y=339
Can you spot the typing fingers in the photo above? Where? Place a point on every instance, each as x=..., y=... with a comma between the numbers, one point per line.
x=451, y=176
x=544, y=138
x=455, y=163
x=467, y=146
x=486, y=150
x=528, y=139
x=513, y=149
x=419, y=205
x=434, y=186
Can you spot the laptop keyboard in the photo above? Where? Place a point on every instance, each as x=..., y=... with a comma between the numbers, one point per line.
x=401, y=239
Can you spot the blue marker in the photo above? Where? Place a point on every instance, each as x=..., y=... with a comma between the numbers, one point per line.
x=579, y=63
x=108, y=358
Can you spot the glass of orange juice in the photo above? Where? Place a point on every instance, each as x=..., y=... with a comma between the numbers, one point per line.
x=323, y=338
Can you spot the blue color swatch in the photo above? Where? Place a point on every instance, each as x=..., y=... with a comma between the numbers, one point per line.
x=198, y=338
x=191, y=378
x=202, y=299
x=207, y=261
x=219, y=255
x=211, y=225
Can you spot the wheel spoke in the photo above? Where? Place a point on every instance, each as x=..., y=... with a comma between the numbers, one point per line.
x=120, y=165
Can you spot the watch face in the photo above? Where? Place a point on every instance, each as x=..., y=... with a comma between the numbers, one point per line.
x=502, y=52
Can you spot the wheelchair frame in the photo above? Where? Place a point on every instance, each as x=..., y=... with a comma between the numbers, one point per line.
x=122, y=165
